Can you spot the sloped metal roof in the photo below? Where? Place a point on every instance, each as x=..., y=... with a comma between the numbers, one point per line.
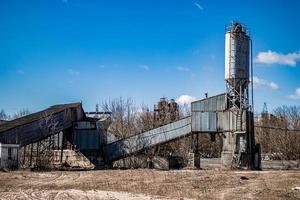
x=37, y=116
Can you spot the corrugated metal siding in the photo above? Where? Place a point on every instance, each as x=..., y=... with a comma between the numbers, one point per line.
x=205, y=113
x=204, y=121
x=222, y=121
x=211, y=104
x=227, y=121
x=87, y=139
x=128, y=146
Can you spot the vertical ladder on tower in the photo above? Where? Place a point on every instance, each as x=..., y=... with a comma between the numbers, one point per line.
x=239, y=120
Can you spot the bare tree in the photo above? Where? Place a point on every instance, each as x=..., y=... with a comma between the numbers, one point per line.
x=21, y=113
x=124, y=120
x=3, y=115
x=279, y=133
x=123, y=113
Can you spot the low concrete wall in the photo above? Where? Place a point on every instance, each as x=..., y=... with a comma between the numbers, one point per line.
x=72, y=159
x=280, y=164
x=211, y=163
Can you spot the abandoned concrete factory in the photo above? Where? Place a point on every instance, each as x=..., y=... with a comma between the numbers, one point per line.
x=66, y=132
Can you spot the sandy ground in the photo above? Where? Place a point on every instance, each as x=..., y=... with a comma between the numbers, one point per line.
x=150, y=184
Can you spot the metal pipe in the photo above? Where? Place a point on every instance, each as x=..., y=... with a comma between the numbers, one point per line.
x=251, y=67
x=58, y=140
x=24, y=154
x=62, y=147
x=31, y=149
x=197, y=147
x=37, y=152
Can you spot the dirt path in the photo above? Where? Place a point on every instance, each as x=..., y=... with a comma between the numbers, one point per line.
x=150, y=184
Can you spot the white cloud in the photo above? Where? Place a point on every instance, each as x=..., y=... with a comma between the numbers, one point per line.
x=258, y=82
x=145, y=67
x=273, y=86
x=272, y=57
x=185, y=100
x=296, y=95
x=199, y=6
x=73, y=72
x=183, y=69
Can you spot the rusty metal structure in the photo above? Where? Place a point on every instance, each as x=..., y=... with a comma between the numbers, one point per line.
x=165, y=111
x=229, y=114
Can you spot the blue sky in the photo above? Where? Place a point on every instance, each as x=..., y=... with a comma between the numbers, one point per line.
x=60, y=51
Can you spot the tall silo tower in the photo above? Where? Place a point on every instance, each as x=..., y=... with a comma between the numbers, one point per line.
x=240, y=139
x=237, y=66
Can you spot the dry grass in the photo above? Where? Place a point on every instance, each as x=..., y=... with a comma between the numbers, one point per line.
x=204, y=184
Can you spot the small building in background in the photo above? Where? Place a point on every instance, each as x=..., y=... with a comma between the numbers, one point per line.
x=9, y=156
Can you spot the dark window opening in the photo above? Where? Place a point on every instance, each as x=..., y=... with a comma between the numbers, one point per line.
x=9, y=157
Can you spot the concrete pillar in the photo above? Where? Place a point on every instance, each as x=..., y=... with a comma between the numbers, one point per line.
x=227, y=150
x=194, y=160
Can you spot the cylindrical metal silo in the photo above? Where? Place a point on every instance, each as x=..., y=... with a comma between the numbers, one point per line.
x=237, y=65
x=237, y=48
